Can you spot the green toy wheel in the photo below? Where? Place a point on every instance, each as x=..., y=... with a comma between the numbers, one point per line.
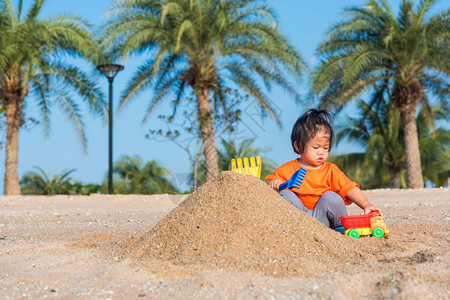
x=378, y=232
x=353, y=233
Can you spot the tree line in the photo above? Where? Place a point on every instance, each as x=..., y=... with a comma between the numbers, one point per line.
x=133, y=176
x=201, y=48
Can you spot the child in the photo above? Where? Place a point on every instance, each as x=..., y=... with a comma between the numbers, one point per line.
x=325, y=190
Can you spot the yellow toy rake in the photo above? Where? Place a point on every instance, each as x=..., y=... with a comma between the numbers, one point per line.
x=243, y=166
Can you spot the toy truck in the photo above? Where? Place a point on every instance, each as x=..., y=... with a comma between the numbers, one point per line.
x=370, y=224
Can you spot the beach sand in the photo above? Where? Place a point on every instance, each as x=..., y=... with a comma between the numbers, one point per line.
x=234, y=238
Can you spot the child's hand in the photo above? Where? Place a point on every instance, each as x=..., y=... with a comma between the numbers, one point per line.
x=275, y=183
x=358, y=197
x=370, y=208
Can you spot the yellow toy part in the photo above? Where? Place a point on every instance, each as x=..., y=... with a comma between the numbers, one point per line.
x=243, y=166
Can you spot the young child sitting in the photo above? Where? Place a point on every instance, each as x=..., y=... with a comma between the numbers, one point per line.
x=325, y=190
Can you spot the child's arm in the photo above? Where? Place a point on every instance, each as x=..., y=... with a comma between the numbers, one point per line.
x=359, y=199
x=275, y=183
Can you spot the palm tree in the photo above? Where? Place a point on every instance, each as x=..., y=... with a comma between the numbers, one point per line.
x=378, y=130
x=232, y=150
x=33, y=61
x=137, y=178
x=408, y=54
x=383, y=163
x=41, y=183
x=201, y=47
x=434, y=145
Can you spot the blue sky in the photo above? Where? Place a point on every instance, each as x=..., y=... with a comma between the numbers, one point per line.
x=304, y=23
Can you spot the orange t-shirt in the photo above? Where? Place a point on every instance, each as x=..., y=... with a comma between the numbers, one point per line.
x=317, y=181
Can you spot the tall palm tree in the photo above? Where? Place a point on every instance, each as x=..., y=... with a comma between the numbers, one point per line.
x=202, y=46
x=408, y=53
x=137, y=178
x=378, y=130
x=383, y=163
x=33, y=62
x=434, y=145
x=41, y=183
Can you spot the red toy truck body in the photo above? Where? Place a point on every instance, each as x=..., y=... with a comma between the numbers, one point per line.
x=370, y=224
x=356, y=221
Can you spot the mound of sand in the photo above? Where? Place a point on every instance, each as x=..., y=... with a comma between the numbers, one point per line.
x=237, y=221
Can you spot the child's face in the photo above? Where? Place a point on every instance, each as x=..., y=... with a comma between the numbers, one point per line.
x=317, y=149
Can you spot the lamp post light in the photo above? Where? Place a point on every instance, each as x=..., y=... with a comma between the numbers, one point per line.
x=110, y=71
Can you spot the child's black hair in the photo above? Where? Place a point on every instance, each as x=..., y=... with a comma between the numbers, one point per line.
x=307, y=126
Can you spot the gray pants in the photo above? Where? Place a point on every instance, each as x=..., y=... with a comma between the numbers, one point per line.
x=327, y=210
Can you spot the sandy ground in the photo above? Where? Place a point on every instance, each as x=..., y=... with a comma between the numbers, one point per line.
x=67, y=247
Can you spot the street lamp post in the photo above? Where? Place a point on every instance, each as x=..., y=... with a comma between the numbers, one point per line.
x=110, y=71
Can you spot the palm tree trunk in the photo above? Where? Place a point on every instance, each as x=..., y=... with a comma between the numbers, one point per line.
x=207, y=133
x=13, y=115
x=396, y=180
x=412, y=152
x=196, y=173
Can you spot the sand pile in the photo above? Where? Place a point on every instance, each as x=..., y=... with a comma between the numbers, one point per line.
x=237, y=221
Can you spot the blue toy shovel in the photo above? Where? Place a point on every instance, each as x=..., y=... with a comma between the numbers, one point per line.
x=295, y=181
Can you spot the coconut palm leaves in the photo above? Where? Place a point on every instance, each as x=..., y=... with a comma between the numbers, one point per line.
x=434, y=145
x=378, y=129
x=407, y=53
x=201, y=47
x=33, y=63
x=135, y=177
x=41, y=183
